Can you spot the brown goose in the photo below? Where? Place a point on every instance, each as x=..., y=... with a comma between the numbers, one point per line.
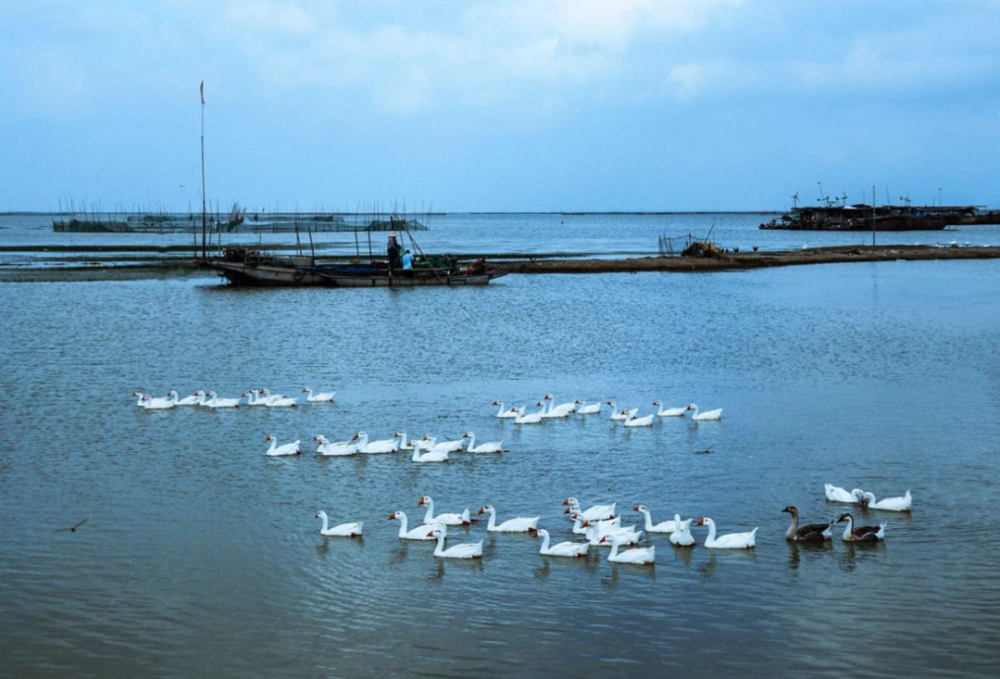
x=814, y=532
x=861, y=533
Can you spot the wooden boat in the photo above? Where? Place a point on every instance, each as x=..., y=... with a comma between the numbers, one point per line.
x=250, y=267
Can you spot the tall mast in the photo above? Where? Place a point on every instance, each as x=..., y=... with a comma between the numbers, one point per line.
x=203, y=208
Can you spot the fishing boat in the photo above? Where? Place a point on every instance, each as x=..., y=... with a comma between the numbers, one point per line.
x=242, y=266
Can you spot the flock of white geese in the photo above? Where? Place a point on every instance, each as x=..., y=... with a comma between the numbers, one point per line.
x=601, y=526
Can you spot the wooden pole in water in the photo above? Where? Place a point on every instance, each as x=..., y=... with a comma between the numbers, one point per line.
x=873, y=215
x=203, y=208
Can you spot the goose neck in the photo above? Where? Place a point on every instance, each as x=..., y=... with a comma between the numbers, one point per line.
x=429, y=516
x=439, y=550
x=493, y=519
x=472, y=442
x=849, y=530
x=711, y=531
x=614, y=550
x=793, y=530
x=545, y=543
x=402, y=523
x=649, y=519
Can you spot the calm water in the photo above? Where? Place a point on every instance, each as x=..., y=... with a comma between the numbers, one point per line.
x=202, y=556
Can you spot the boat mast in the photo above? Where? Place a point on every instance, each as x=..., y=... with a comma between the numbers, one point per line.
x=203, y=209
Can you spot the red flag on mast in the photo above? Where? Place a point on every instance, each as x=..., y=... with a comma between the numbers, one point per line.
x=202, y=89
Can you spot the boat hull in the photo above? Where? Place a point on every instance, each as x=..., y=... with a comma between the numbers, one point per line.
x=241, y=274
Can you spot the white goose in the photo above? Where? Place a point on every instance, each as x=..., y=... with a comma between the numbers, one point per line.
x=493, y=447
x=569, y=549
x=530, y=418
x=730, y=541
x=254, y=398
x=621, y=415
x=567, y=407
x=682, y=537
x=643, y=556
x=216, y=402
x=195, y=399
x=281, y=402
x=584, y=409
x=375, y=447
x=150, y=403
x=890, y=504
x=418, y=533
x=579, y=529
x=454, y=446
x=838, y=494
x=321, y=397
x=278, y=451
x=518, y=525
x=595, y=513
x=669, y=412
x=708, y=415
x=425, y=443
x=429, y=456
x=446, y=519
x=466, y=550
x=633, y=421
x=665, y=526
x=595, y=531
x=334, y=448
x=553, y=412
x=509, y=413
x=344, y=530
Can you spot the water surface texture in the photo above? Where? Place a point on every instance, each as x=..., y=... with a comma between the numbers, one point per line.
x=201, y=555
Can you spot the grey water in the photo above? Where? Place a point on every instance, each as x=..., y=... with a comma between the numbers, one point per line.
x=202, y=556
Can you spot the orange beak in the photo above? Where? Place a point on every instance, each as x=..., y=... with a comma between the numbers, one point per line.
x=635, y=509
x=420, y=502
x=567, y=510
x=392, y=516
x=701, y=522
x=586, y=524
x=566, y=501
x=604, y=539
x=481, y=511
x=431, y=534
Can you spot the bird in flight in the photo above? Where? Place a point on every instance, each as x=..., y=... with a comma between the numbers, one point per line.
x=72, y=529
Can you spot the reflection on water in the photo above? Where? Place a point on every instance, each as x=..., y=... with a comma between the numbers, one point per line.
x=199, y=548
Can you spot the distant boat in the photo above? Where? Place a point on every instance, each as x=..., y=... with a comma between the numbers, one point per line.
x=862, y=217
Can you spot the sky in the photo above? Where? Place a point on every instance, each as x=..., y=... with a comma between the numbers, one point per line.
x=503, y=105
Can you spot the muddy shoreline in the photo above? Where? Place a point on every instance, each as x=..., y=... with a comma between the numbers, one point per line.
x=177, y=267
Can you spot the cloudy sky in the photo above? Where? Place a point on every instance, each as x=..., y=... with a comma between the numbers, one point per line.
x=501, y=105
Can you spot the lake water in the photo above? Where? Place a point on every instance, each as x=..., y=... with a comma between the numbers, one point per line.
x=202, y=556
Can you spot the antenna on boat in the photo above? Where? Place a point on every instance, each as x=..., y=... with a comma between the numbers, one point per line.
x=843, y=199
x=201, y=89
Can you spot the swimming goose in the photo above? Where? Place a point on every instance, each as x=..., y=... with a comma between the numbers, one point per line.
x=643, y=556
x=426, y=443
x=530, y=418
x=705, y=416
x=518, y=525
x=669, y=412
x=281, y=402
x=375, y=447
x=216, y=402
x=454, y=446
x=150, y=403
x=566, y=407
x=580, y=529
x=838, y=494
x=334, y=448
x=322, y=397
x=664, y=527
x=813, y=532
x=730, y=541
x=597, y=530
x=418, y=533
x=682, y=537
x=447, y=519
x=492, y=447
x=552, y=412
x=195, y=399
x=277, y=451
x=569, y=549
x=633, y=421
x=509, y=413
x=429, y=456
x=466, y=550
x=592, y=409
x=254, y=398
x=621, y=415
x=595, y=513
x=889, y=504
x=861, y=533
x=344, y=530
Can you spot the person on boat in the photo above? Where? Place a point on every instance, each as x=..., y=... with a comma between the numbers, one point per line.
x=407, y=261
x=393, y=251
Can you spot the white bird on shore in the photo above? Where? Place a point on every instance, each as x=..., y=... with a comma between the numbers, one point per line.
x=344, y=530
x=322, y=397
x=278, y=451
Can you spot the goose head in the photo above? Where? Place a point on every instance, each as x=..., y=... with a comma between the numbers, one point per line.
x=359, y=436
x=571, y=501
x=321, y=515
x=269, y=437
x=319, y=438
x=498, y=403
x=424, y=499
x=395, y=515
x=578, y=401
x=467, y=435
x=585, y=524
x=791, y=510
x=705, y=521
x=486, y=509
x=536, y=532
x=845, y=517
x=693, y=406
x=548, y=397
x=657, y=402
x=436, y=533
x=640, y=508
